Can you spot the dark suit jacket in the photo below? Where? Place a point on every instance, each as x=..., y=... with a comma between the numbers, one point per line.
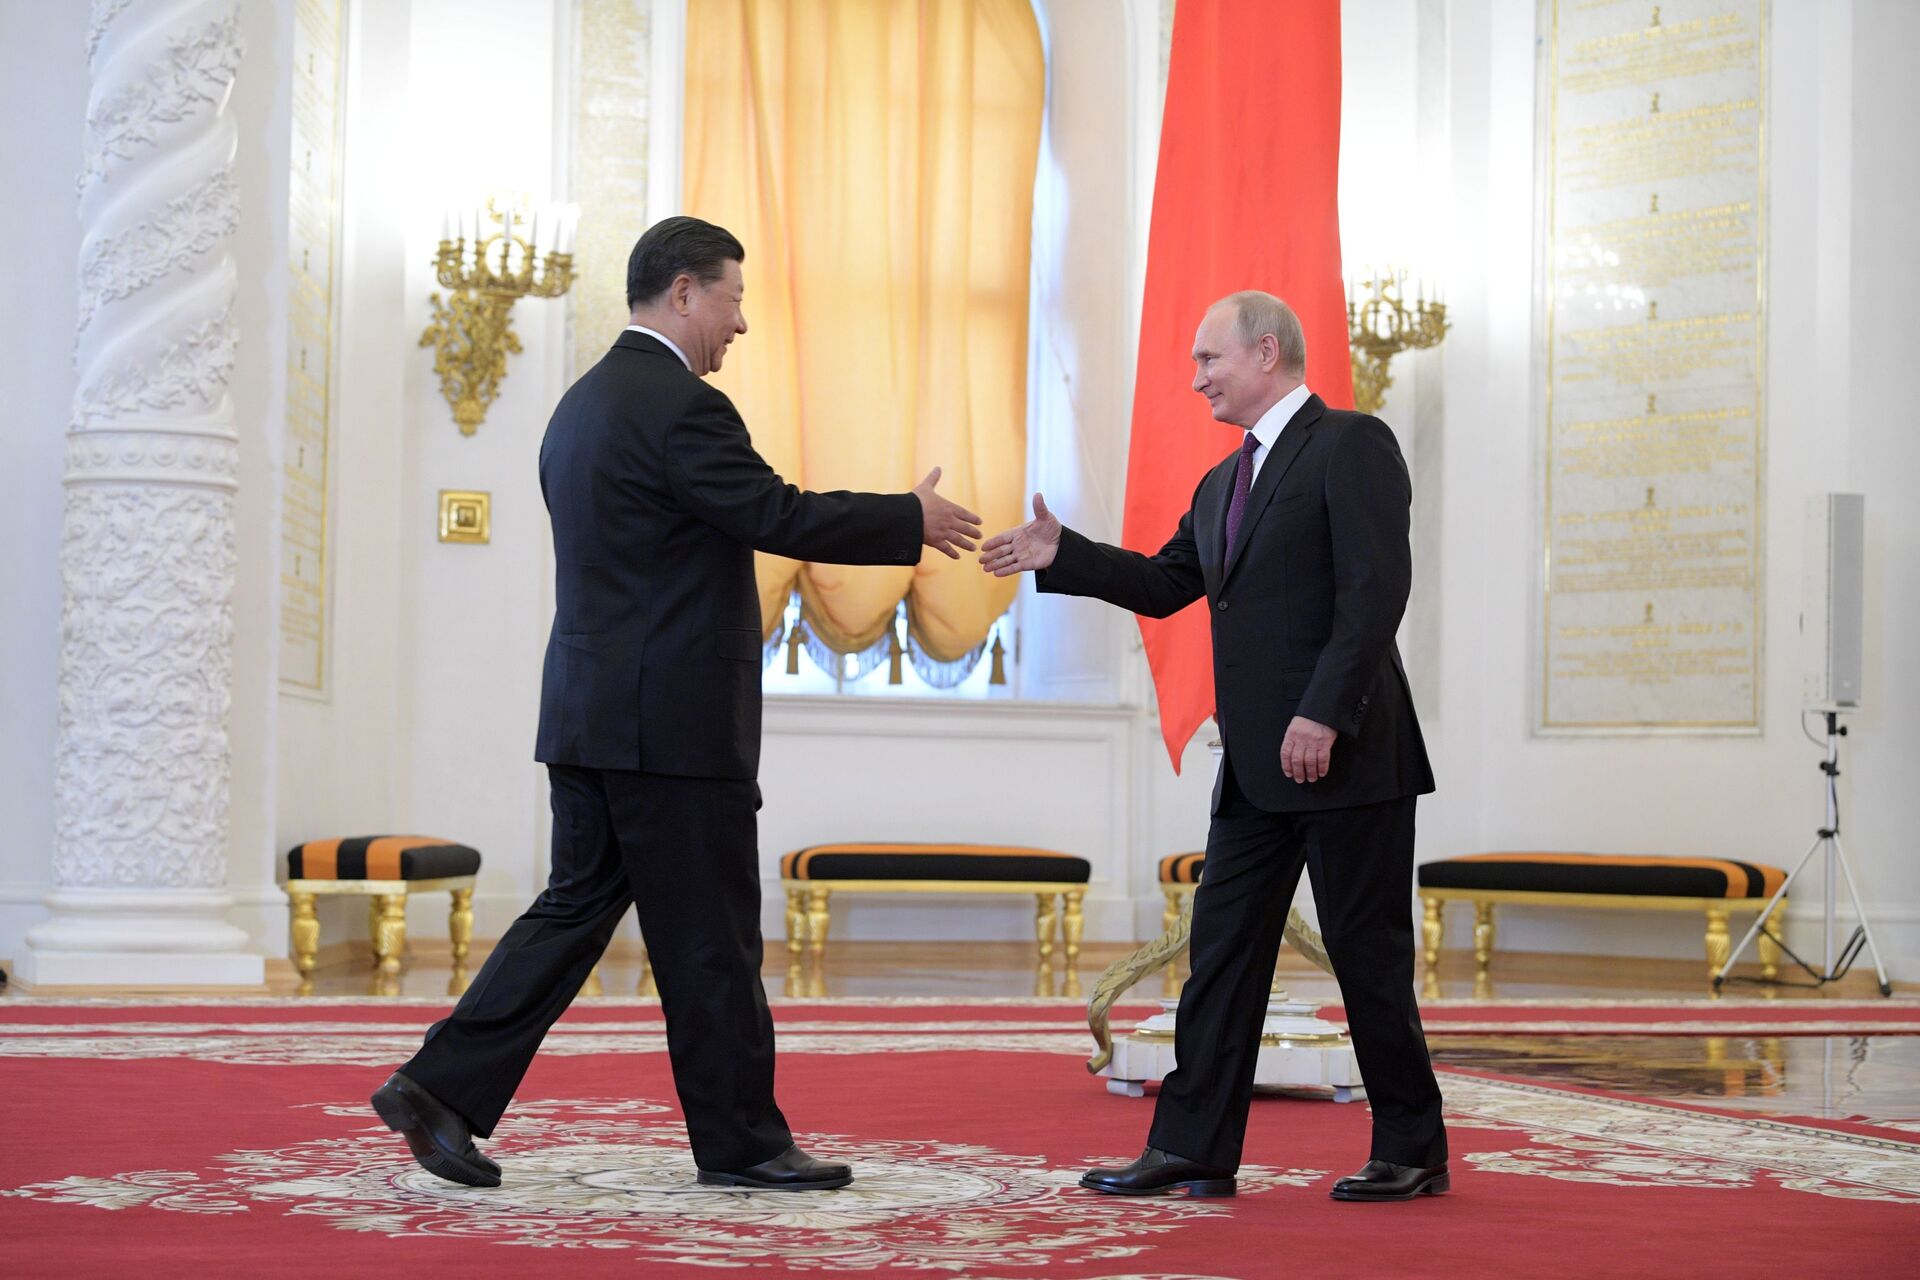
x=1303, y=617
x=658, y=502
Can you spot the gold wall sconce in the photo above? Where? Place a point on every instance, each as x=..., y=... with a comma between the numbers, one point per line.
x=490, y=258
x=1389, y=319
x=466, y=516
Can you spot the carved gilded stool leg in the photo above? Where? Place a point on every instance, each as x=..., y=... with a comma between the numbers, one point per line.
x=1171, y=916
x=593, y=986
x=306, y=938
x=796, y=921
x=1719, y=944
x=1044, y=916
x=460, y=925
x=1432, y=930
x=818, y=916
x=1072, y=924
x=390, y=932
x=1482, y=935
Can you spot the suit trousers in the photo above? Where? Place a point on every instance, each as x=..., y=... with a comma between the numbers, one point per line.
x=684, y=852
x=1361, y=863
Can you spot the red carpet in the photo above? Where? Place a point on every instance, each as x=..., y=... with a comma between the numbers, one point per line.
x=234, y=1140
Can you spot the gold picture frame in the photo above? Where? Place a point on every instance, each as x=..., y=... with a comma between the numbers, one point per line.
x=466, y=516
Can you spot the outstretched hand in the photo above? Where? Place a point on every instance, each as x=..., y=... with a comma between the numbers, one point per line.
x=1028, y=548
x=944, y=525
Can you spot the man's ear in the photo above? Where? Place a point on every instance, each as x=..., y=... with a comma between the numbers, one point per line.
x=682, y=293
x=1269, y=352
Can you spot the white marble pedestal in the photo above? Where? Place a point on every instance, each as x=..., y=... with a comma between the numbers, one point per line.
x=1300, y=1053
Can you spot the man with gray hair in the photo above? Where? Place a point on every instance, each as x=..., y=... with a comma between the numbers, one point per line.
x=1298, y=541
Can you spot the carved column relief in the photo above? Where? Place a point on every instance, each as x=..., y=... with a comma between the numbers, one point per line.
x=147, y=551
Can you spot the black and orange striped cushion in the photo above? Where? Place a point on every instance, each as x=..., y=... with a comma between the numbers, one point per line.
x=1182, y=868
x=381, y=858
x=1604, y=873
x=896, y=861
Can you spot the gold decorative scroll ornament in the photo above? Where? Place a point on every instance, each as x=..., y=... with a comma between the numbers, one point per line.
x=1125, y=972
x=488, y=267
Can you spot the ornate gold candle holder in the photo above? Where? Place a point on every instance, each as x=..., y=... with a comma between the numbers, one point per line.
x=1384, y=323
x=488, y=266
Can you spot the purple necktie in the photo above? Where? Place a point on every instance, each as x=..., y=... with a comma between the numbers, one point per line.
x=1242, y=482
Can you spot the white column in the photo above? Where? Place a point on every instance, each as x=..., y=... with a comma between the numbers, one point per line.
x=142, y=769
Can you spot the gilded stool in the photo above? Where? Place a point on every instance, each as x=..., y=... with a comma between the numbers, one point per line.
x=385, y=869
x=1057, y=881
x=1713, y=887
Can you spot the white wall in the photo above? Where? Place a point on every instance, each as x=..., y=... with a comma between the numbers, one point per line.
x=346, y=760
x=43, y=77
x=1838, y=90
x=262, y=106
x=1882, y=458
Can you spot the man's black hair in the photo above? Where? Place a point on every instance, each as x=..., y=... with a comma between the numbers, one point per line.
x=675, y=245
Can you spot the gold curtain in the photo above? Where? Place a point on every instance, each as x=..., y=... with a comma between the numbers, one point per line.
x=876, y=158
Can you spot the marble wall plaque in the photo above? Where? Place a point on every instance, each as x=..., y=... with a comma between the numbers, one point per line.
x=1652, y=334
x=313, y=208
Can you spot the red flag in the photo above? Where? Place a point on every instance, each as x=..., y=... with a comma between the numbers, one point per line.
x=1245, y=197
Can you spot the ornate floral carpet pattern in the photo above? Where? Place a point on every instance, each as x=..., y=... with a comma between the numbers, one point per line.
x=234, y=1139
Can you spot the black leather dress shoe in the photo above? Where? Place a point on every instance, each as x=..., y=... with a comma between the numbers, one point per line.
x=1157, y=1172
x=791, y=1170
x=1383, y=1180
x=436, y=1133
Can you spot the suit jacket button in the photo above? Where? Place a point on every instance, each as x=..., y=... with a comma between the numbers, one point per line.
x=1222, y=606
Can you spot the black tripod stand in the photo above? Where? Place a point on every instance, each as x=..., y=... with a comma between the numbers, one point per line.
x=1827, y=838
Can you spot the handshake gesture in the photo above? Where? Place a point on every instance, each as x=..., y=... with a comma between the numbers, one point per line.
x=1026, y=549
x=950, y=528
x=947, y=527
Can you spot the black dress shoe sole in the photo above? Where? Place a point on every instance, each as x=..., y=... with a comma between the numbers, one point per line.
x=1197, y=1188
x=1431, y=1187
x=393, y=1108
x=744, y=1183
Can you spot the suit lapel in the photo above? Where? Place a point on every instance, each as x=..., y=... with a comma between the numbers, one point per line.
x=1293, y=438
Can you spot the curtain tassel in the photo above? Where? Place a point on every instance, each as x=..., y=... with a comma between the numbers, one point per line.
x=894, y=654
x=999, y=673
x=795, y=638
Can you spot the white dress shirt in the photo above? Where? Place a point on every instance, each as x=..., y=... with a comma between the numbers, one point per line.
x=1272, y=423
x=675, y=347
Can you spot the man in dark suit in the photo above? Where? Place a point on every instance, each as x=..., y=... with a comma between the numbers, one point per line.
x=650, y=727
x=1299, y=543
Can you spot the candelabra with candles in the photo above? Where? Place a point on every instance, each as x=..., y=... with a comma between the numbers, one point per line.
x=1385, y=322
x=489, y=258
